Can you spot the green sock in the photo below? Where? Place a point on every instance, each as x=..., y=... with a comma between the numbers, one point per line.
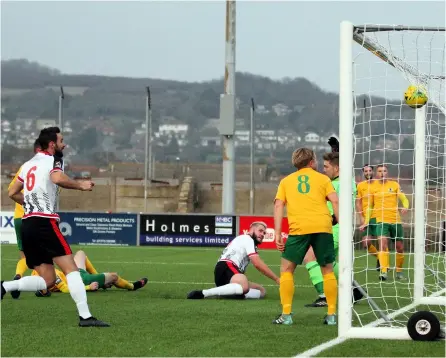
x=316, y=277
x=336, y=269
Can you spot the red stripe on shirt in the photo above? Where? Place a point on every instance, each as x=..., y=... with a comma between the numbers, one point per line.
x=232, y=267
x=20, y=179
x=42, y=215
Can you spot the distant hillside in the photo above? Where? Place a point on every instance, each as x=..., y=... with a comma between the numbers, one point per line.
x=294, y=106
x=31, y=90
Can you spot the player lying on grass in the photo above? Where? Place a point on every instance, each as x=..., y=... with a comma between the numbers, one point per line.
x=91, y=278
x=331, y=169
x=18, y=215
x=229, y=272
x=305, y=194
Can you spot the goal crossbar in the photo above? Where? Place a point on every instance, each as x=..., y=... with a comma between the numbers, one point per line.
x=376, y=28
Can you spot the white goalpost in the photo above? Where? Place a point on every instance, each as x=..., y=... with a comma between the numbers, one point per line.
x=377, y=64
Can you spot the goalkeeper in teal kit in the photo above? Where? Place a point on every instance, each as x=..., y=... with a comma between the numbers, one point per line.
x=331, y=169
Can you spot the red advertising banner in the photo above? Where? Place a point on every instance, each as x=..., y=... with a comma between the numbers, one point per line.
x=268, y=241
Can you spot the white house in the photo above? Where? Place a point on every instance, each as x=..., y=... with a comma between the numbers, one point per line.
x=174, y=130
x=281, y=109
x=312, y=137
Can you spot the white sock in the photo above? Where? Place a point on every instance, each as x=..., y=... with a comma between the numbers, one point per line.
x=253, y=293
x=27, y=284
x=230, y=289
x=78, y=293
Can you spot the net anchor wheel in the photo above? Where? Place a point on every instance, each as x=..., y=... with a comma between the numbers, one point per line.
x=424, y=326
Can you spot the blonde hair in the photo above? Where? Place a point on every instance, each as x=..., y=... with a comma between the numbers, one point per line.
x=302, y=157
x=258, y=223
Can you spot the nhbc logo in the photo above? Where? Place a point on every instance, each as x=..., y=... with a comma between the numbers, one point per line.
x=65, y=229
x=223, y=221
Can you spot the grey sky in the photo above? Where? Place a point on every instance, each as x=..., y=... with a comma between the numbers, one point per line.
x=185, y=40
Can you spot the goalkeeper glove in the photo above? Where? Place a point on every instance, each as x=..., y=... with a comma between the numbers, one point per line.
x=334, y=144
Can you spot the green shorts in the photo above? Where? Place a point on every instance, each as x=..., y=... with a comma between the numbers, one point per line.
x=370, y=230
x=89, y=278
x=393, y=231
x=18, y=232
x=296, y=248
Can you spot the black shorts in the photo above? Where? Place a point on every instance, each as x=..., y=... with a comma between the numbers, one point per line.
x=223, y=272
x=42, y=241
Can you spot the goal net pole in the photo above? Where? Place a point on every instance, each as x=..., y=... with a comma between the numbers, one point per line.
x=348, y=34
x=346, y=228
x=419, y=196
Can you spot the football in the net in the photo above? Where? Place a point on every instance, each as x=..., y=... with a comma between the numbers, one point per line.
x=415, y=96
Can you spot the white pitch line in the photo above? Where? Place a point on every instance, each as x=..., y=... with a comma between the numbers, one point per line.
x=322, y=347
x=209, y=283
x=150, y=263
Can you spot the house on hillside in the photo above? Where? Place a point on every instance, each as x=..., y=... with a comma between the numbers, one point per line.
x=167, y=132
x=312, y=137
x=281, y=109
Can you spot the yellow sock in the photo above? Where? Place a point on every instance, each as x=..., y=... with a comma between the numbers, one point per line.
x=372, y=250
x=121, y=283
x=331, y=292
x=89, y=266
x=399, y=262
x=21, y=267
x=384, y=260
x=286, y=291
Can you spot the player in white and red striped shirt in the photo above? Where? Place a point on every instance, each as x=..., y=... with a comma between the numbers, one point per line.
x=229, y=272
x=43, y=243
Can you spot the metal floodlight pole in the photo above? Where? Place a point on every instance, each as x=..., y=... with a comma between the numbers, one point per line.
x=251, y=137
x=227, y=113
x=61, y=98
x=60, y=125
x=148, y=149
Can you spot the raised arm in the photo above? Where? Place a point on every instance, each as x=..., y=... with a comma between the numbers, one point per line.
x=61, y=179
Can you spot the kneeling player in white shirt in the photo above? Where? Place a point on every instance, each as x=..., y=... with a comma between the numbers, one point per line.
x=229, y=272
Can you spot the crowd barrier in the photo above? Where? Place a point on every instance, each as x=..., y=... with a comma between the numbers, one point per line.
x=120, y=229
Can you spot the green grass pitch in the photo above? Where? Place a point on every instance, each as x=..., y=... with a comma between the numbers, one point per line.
x=158, y=320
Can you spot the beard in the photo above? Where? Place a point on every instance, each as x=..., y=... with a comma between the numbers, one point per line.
x=254, y=237
x=58, y=153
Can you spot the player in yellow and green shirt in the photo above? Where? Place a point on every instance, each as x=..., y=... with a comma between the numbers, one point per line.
x=18, y=215
x=364, y=210
x=331, y=169
x=305, y=194
x=386, y=194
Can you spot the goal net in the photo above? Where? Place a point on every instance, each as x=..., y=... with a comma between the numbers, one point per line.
x=377, y=127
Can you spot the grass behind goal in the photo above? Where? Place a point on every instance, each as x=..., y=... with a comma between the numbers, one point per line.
x=159, y=321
